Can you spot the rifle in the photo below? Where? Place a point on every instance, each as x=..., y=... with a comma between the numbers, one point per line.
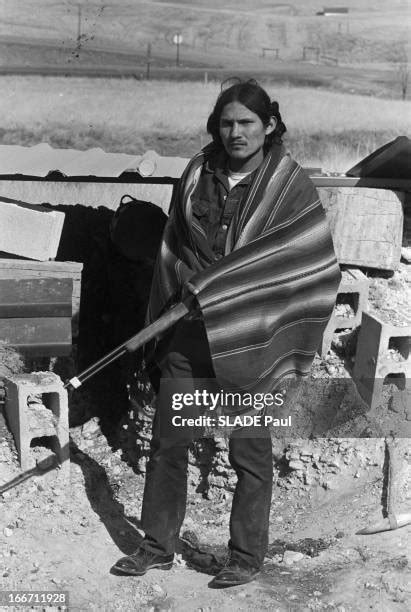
x=149, y=332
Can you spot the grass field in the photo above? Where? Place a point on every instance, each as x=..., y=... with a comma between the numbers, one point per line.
x=130, y=116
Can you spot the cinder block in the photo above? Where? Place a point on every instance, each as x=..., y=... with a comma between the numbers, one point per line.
x=48, y=418
x=383, y=350
x=351, y=302
x=30, y=231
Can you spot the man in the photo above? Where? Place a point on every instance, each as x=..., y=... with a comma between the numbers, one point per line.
x=248, y=236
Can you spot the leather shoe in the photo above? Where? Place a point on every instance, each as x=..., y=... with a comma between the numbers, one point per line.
x=234, y=573
x=141, y=561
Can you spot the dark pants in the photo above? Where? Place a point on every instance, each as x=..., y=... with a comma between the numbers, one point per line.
x=165, y=492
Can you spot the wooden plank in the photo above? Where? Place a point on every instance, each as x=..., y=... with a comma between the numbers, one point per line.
x=367, y=227
x=43, y=266
x=367, y=183
x=38, y=336
x=23, y=268
x=35, y=297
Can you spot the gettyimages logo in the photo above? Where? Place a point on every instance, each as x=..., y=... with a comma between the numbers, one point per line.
x=235, y=407
x=197, y=408
x=227, y=400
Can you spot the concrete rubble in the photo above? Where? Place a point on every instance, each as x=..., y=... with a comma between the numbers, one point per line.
x=30, y=231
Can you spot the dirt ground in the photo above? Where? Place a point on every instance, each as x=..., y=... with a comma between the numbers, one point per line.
x=65, y=535
x=60, y=532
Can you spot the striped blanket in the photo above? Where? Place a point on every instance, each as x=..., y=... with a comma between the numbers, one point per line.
x=266, y=303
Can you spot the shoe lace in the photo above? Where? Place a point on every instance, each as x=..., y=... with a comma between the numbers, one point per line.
x=228, y=559
x=141, y=555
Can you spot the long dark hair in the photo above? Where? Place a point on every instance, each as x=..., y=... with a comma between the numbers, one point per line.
x=257, y=100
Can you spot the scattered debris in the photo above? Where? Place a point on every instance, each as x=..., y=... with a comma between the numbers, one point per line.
x=344, y=310
x=390, y=298
x=290, y=557
x=91, y=429
x=307, y=547
x=394, y=355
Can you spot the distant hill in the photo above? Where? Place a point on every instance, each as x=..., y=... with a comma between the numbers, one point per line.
x=213, y=31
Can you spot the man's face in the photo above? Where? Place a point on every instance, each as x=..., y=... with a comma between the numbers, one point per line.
x=243, y=134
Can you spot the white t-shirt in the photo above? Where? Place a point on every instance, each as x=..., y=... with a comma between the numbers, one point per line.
x=235, y=177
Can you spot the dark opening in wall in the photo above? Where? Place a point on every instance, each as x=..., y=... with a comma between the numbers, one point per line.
x=400, y=345
x=350, y=300
x=45, y=442
x=118, y=252
x=397, y=379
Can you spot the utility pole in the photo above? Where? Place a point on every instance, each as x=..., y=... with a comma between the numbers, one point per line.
x=177, y=40
x=148, y=61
